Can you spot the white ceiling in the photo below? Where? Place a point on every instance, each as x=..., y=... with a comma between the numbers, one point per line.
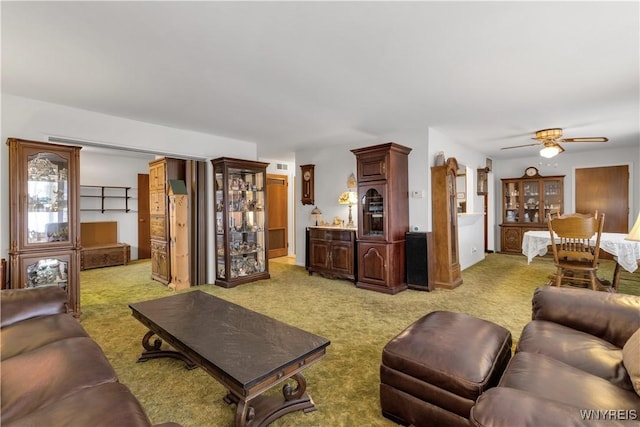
x=289, y=75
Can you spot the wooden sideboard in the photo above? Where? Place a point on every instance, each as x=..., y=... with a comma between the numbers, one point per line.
x=331, y=252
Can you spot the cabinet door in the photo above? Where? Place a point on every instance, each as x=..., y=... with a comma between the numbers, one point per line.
x=372, y=203
x=511, y=239
x=157, y=202
x=552, y=190
x=372, y=166
x=57, y=268
x=342, y=257
x=46, y=206
x=372, y=263
x=159, y=261
x=319, y=254
x=158, y=227
x=157, y=176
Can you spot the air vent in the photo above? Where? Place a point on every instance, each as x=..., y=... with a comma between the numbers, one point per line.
x=282, y=166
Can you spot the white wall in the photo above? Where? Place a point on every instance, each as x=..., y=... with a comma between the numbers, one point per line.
x=36, y=120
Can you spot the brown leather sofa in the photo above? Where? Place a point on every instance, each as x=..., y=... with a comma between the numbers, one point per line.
x=53, y=373
x=574, y=365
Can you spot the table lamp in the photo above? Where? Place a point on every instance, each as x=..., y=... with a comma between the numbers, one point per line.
x=349, y=198
x=316, y=215
x=634, y=234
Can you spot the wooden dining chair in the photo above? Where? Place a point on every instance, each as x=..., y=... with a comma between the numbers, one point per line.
x=576, y=245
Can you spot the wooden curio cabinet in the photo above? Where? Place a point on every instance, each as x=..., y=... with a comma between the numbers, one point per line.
x=241, y=221
x=526, y=201
x=383, y=206
x=161, y=171
x=44, y=217
x=445, y=224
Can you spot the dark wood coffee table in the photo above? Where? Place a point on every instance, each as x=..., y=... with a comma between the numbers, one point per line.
x=247, y=352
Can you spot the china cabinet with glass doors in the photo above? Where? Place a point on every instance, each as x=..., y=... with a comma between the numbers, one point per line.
x=44, y=233
x=383, y=220
x=526, y=201
x=240, y=221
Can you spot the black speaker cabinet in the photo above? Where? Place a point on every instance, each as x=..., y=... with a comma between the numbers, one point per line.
x=419, y=263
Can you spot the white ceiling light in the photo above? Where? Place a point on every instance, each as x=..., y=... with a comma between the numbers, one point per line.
x=550, y=151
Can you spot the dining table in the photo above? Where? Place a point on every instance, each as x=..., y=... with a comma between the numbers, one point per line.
x=627, y=252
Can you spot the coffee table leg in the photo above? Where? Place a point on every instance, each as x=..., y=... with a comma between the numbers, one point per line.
x=264, y=409
x=153, y=351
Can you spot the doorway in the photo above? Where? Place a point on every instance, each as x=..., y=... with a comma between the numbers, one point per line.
x=277, y=190
x=144, y=233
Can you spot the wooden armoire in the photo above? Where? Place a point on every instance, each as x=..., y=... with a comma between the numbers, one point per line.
x=160, y=172
x=383, y=219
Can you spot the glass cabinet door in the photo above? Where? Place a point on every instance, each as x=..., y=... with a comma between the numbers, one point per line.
x=373, y=215
x=246, y=212
x=511, y=201
x=552, y=198
x=47, y=201
x=531, y=200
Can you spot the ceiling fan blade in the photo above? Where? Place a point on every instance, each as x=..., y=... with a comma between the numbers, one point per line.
x=519, y=146
x=586, y=139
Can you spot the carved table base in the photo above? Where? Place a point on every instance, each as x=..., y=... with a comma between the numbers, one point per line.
x=263, y=410
x=153, y=351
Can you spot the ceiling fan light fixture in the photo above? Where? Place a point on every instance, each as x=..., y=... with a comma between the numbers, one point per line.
x=550, y=151
x=549, y=134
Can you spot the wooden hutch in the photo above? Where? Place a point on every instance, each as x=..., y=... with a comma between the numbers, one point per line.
x=161, y=171
x=526, y=201
x=383, y=203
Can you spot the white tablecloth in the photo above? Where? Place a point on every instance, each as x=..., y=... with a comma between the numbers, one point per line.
x=628, y=251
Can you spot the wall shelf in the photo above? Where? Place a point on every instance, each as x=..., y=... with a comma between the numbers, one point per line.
x=105, y=193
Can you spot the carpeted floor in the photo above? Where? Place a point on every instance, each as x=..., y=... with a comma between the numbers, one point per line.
x=358, y=323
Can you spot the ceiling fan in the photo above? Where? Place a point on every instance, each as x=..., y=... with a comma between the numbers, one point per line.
x=550, y=139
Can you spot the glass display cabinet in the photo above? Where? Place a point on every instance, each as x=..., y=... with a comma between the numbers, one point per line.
x=383, y=206
x=526, y=201
x=240, y=222
x=44, y=233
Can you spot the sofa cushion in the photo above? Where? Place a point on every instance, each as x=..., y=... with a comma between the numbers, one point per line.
x=20, y=304
x=509, y=407
x=631, y=359
x=578, y=349
x=554, y=380
x=106, y=405
x=36, y=332
x=43, y=376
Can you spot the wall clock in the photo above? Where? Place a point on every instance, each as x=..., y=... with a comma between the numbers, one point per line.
x=307, y=184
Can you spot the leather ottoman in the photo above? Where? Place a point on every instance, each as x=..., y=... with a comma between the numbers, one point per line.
x=433, y=371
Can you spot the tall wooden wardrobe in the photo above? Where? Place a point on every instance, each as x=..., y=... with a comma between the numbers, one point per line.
x=383, y=219
x=161, y=171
